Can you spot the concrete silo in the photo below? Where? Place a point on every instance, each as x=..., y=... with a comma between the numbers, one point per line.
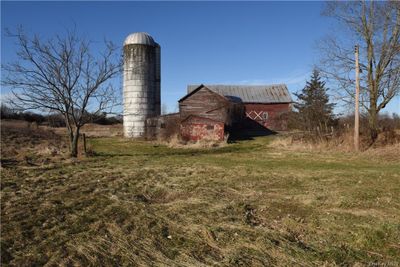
x=141, y=82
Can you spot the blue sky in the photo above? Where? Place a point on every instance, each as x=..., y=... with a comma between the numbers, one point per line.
x=201, y=42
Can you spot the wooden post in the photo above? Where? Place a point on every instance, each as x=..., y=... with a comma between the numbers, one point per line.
x=356, y=99
x=84, y=143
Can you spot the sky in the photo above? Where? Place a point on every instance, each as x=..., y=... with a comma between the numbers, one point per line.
x=201, y=42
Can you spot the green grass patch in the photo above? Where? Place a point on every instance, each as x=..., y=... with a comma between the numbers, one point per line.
x=137, y=203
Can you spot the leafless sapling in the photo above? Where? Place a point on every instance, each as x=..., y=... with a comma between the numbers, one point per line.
x=63, y=75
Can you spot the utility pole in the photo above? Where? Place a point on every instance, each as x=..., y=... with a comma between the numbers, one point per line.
x=356, y=99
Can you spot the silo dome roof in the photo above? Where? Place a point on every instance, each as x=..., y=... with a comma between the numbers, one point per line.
x=139, y=38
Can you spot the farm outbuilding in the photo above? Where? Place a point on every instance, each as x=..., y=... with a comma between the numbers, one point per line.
x=212, y=111
x=263, y=104
x=195, y=128
x=163, y=126
x=205, y=112
x=203, y=109
x=204, y=102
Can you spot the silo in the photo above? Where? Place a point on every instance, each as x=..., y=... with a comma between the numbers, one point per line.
x=141, y=82
x=158, y=79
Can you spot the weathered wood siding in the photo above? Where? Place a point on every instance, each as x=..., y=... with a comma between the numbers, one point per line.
x=162, y=127
x=268, y=115
x=207, y=104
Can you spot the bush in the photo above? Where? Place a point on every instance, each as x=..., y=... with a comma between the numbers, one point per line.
x=295, y=122
x=55, y=120
x=341, y=134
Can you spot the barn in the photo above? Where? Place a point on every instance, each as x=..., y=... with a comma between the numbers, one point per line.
x=195, y=128
x=263, y=104
x=206, y=114
x=212, y=111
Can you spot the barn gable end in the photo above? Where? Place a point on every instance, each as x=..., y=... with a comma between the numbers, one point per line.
x=205, y=103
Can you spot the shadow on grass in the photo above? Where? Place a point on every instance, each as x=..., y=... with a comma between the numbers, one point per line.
x=248, y=130
x=9, y=163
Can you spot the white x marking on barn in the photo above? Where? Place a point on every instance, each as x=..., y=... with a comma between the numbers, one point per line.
x=257, y=115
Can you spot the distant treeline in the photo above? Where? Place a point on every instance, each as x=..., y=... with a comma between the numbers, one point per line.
x=385, y=122
x=53, y=119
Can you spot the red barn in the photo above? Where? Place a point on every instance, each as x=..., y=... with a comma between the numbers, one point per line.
x=206, y=114
x=196, y=128
x=263, y=104
x=211, y=111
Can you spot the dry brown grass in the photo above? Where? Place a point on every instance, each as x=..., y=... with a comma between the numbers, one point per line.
x=27, y=144
x=92, y=130
x=136, y=203
x=176, y=142
x=96, y=130
x=200, y=144
x=341, y=143
x=387, y=152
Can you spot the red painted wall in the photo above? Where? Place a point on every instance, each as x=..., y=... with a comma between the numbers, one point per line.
x=272, y=120
x=195, y=128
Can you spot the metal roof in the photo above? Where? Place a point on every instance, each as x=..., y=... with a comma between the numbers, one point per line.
x=140, y=38
x=276, y=93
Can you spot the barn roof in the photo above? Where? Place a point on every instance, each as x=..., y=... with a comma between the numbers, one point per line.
x=277, y=93
x=198, y=87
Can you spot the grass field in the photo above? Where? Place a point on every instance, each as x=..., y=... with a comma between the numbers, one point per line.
x=244, y=204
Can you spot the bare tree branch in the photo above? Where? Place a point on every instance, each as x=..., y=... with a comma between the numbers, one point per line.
x=375, y=27
x=62, y=75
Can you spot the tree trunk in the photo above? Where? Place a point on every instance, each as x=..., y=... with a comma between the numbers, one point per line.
x=373, y=112
x=373, y=124
x=70, y=136
x=74, y=144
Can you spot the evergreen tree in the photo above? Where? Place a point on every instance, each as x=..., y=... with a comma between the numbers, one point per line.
x=314, y=109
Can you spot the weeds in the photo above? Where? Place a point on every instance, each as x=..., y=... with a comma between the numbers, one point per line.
x=136, y=203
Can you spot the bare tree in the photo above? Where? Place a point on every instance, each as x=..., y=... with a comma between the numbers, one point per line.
x=62, y=75
x=375, y=27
